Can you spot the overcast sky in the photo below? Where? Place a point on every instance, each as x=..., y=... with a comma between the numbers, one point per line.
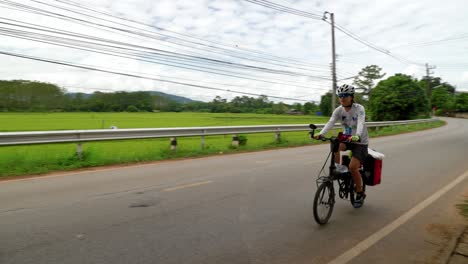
x=232, y=45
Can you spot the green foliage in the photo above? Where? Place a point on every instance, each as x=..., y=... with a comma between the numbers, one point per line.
x=398, y=98
x=35, y=96
x=461, y=102
x=440, y=112
x=361, y=99
x=78, y=121
x=242, y=140
x=21, y=95
x=366, y=78
x=279, y=108
x=310, y=108
x=435, y=82
x=442, y=99
x=132, y=108
x=297, y=107
x=325, y=104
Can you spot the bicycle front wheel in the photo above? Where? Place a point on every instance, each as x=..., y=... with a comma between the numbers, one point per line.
x=323, y=202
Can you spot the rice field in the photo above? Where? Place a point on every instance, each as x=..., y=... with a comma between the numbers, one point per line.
x=37, y=159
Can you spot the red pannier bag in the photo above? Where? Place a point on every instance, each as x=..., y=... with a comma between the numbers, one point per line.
x=373, y=168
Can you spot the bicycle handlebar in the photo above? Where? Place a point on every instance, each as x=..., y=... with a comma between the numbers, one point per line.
x=341, y=137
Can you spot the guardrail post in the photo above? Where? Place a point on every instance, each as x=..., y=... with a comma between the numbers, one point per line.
x=79, y=151
x=235, y=141
x=203, y=140
x=277, y=136
x=173, y=143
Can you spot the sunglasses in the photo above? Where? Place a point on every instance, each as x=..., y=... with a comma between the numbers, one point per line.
x=344, y=95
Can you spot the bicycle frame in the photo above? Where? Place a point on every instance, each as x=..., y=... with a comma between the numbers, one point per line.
x=324, y=198
x=345, y=186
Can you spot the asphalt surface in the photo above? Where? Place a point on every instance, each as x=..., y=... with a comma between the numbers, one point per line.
x=242, y=208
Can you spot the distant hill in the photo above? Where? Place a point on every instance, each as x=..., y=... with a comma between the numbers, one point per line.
x=179, y=99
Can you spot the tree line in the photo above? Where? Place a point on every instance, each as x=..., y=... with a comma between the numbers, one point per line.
x=21, y=95
x=397, y=97
x=401, y=97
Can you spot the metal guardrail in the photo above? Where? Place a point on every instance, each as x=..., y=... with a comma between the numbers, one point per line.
x=79, y=136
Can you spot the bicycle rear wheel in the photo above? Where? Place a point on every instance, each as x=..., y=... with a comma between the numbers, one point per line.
x=324, y=201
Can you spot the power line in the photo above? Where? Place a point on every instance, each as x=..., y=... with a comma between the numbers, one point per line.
x=226, y=51
x=80, y=20
x=434, y=42
x=36, y=1
x=370, y=45
x=230, y=47
x=338, y=27
x=139, y=76
x=165, y=55
x=102, y=27
x=271, y=80
x=289, y=84
x=225, y=74
x=417, y=44
x=285, y=9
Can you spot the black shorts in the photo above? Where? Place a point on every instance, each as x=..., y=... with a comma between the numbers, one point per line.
x=358, y=151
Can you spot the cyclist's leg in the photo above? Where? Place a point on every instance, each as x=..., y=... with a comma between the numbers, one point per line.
x=338, y=153
x=359, y=153
x=354, y=169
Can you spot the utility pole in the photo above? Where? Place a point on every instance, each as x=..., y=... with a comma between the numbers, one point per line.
x=428, y=78
x=332, y=18
x=429, y=88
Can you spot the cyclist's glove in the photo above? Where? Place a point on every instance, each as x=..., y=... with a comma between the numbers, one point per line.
x=355, y=138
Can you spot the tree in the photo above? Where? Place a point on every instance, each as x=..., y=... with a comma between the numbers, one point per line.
x=21, y=95
x=279, y=108
x=366, y=77
x=132, y=108
x=297, y=107
x=442, y=99
x=461, y=102
x=428, y=83
x=310, y=108
x=218, y=105
x=398, y=98
x=361, y=99
x=261, y=102
x=325, y=104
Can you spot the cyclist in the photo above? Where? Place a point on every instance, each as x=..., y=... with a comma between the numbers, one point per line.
x=352, y=118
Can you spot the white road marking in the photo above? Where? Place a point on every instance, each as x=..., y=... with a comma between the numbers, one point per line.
x=186, y=186
x=374, y=238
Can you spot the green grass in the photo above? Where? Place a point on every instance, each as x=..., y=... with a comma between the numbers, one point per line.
x=393, y=130
x=69, y=121
x=36, y=159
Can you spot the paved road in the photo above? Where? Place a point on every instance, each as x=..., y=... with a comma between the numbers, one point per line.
x=243, y=208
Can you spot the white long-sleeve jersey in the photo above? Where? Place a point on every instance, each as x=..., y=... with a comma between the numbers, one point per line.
x=352, y=121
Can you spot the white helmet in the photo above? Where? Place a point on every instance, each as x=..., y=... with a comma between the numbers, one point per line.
x=345, y=88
